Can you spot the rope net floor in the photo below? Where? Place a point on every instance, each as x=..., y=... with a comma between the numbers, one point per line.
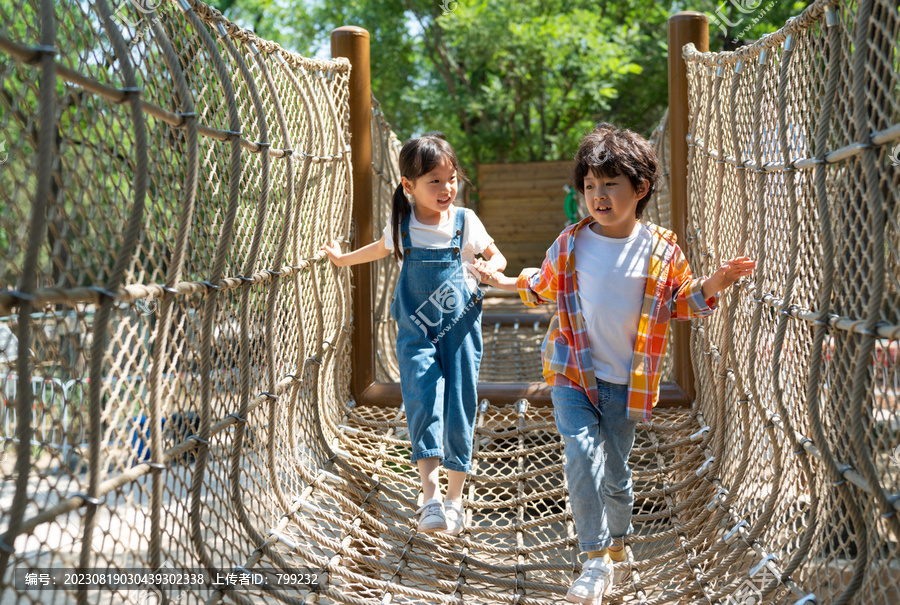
x=174, y=353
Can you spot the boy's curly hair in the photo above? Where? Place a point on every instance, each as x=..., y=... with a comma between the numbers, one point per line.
x=611, y=151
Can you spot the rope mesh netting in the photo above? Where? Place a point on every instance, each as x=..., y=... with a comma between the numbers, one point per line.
x=174, y=351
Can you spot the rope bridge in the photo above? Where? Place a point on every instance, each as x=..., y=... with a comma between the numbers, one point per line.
x=175, y=354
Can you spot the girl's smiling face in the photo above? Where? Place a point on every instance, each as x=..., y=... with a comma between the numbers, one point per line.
x=612, y=201
x=434, y=192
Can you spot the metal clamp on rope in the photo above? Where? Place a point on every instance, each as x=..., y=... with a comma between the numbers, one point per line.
x=769, y=557
x=87, y=499
x=231, y=135
x=236, y=417
x=331, y=477
x=128, y=93
x=211, y=286
x=484, y=405
x=246, y=280
x=733, y=533
x=197, y=439
x=273, y=272
x=705, y=466
x=802, y=449
x=789, y=42
x=314, y=360
x=5, y=547
x=40, y=51
x=350, y=430
x=156, y=466
x=843, y=479
x=772, y=421
x=892, y=501
x=103, y=292
x=283, y=539
x=21, y=296
x=720, y=495
x=170, y=290
x=269, y=395
x=698, y=436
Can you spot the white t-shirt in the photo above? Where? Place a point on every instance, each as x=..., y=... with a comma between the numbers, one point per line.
x=475, y=237
x=611, y=276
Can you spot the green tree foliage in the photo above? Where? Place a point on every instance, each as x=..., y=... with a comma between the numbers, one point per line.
x=511, y=80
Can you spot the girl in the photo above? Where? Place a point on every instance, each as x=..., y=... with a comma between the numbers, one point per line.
x=437, y=305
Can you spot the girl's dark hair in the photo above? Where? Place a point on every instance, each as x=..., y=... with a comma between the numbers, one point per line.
x=610, y=151
x=418, y=156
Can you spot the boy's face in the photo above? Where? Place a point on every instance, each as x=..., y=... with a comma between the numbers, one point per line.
x=612, y=201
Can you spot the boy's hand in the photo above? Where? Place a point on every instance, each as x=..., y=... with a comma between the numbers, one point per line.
x=727, y=274
x=334, y=252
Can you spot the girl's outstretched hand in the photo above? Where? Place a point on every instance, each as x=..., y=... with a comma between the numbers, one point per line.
x=333, y=251
x=484, y=269
x=730, y=271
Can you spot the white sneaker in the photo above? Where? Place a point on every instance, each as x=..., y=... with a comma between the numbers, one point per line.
x=431, y=517
x=594, y=581
x=456, y=517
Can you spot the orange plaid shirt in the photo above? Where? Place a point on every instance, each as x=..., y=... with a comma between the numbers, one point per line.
x=566, y=352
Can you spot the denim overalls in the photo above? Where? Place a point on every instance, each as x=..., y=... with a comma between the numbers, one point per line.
x=438, y=349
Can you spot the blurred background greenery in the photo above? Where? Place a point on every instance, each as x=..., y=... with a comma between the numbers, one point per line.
x=511, y=80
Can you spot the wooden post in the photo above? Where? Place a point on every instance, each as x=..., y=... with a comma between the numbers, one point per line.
x=353, y=43
x=684, y=27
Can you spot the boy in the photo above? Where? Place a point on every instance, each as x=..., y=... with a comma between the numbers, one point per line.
x=617, y=283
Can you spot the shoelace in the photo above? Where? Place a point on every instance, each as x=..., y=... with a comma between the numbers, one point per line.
x=433, y=508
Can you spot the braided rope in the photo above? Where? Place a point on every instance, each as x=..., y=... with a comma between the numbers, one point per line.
x=782, y=466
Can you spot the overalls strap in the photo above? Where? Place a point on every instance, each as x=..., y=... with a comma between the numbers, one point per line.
x=459, y=231
x=404, y=233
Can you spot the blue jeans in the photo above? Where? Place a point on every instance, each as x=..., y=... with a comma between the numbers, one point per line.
x=598, y=443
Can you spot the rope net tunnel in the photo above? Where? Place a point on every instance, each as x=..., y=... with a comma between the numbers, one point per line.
x=175, y=352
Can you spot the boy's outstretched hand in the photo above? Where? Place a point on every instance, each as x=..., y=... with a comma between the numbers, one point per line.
x=727, y=274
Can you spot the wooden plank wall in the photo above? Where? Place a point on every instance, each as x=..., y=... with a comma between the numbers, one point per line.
x=522, y=208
